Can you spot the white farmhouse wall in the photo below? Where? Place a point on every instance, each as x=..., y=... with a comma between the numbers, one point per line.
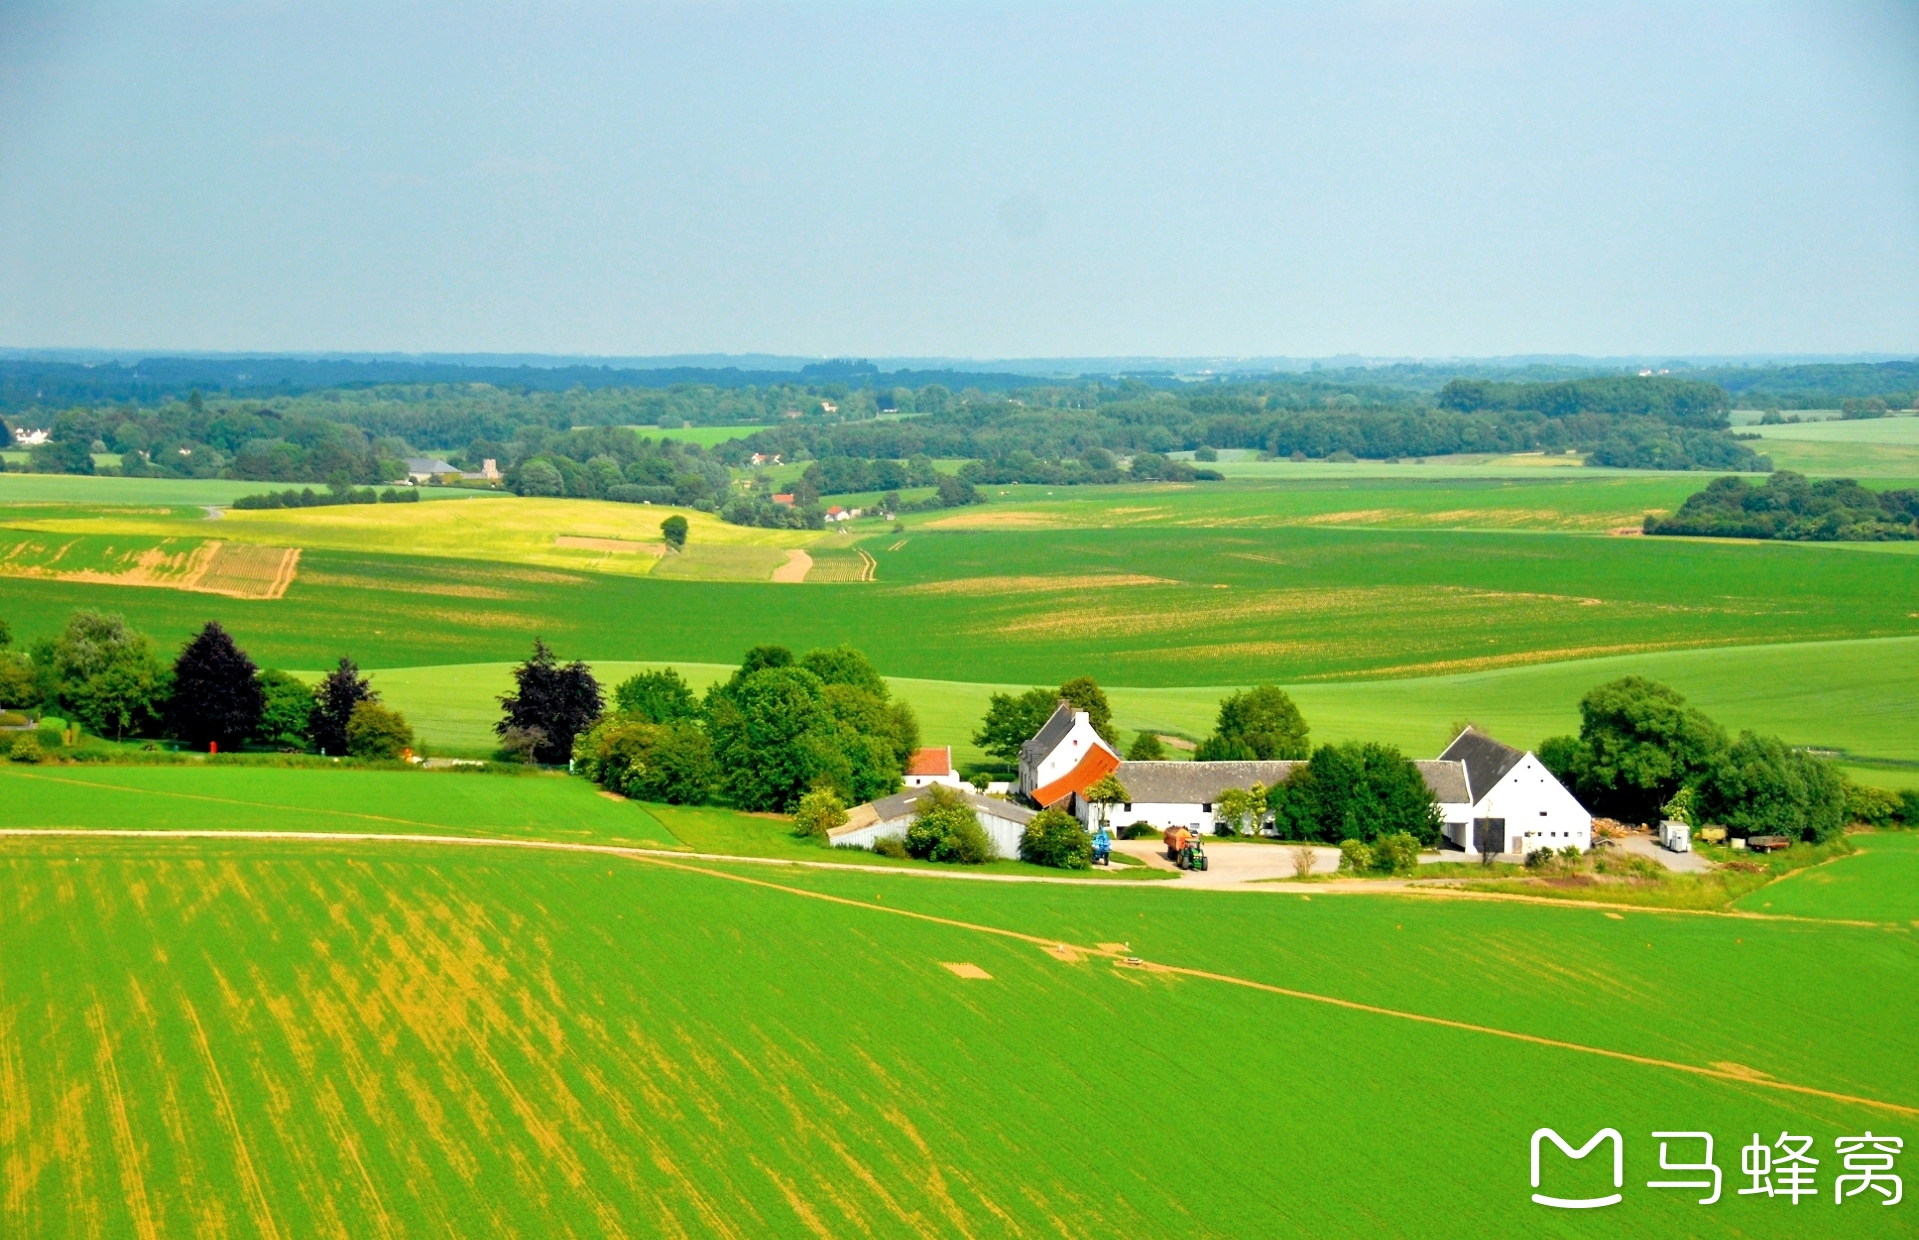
x=1538, y=810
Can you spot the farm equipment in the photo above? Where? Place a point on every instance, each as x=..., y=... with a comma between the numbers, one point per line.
x=1184, y=850
x=1102, y=847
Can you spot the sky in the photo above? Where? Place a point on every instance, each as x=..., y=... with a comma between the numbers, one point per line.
x=961, y=180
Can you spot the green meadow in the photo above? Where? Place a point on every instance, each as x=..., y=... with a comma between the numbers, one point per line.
x=371, y=1038
x=1858, y=697
x=1866, y=448
x=1879, y=882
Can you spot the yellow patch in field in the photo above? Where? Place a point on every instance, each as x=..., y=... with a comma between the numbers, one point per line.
x=212, y=567
x=617, y=546
x=1003, y=519
x=797, y=565
x=241, y=570
x=971, y=972
x=1740, y=1069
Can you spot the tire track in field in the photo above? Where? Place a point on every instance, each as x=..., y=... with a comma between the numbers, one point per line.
x=1052, y=946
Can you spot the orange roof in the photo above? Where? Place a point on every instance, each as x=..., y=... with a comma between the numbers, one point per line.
x=936, y=760
x=785, y=497
x=1098, y=763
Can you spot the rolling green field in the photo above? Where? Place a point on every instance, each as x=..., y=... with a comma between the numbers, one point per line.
x=1866, y=448
x=352, y=1039
x=1880, y=882
x=1860, y=697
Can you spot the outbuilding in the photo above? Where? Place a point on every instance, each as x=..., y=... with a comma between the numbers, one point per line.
x=889, y=817
x=1508, y=800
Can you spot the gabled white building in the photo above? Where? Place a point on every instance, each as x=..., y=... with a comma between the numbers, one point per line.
x=933, y=765
x=1064, y=757
x=1507, y=794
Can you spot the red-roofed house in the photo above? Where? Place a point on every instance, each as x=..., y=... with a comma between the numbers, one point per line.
x=1064, y=757
x=933, y=766
x=784, y=497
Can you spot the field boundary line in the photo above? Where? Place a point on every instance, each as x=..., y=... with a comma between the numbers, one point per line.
x=1053, y=946
x=1273, y=888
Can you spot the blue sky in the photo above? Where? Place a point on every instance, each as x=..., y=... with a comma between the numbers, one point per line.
x=962, y=179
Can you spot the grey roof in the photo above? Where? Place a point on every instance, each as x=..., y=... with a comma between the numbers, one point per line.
x=902, y=804
x=1050, y=734
x=428, y=465
x=1487, y=761
x=1195, y=783
x=1447, y=780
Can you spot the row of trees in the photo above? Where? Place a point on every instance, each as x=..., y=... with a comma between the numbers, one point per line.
x=780, y=727
x=1643, y=753
x=109, y=678
x=1788, y=506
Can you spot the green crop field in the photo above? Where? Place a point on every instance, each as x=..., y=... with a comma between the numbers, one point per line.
x=365, y=1038
x=705, y=436
x=1867, y=448
x=1880, y=882
x=1859, y=697
x=369, y=1036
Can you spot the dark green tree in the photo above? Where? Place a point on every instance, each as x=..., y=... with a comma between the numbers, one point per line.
x=674, y=530
x=377, y=732
x=338, y=692
x=1260, y=724
x=1082, y=693
x=559, y=701
x=1760, y=786
x=1355, y=791
x=656, y=697
x=671, y=761
x=1012, y=719
x=772, y=737
x=1147, y=747
x=286, y=718
x=216, y=696
x=1638, y=744
x=104, y=675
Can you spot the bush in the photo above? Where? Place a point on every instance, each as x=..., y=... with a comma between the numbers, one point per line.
x=1141, y=830
x=819, y=812
x=946, y=829
x=1355, y=857
x=1147, y=748
x=628, y=493
x=1396, y=853
x=377, y=732
x=26, y=749
x=1873, y=806
x=1760, y=786
x=671, y=762
x=1055, y=838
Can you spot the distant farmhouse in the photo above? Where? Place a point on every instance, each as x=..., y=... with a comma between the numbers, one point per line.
x=1003, y=821
x=1486, y=790
x=427, y=468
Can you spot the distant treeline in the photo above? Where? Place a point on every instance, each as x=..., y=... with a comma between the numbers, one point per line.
x=288, y=427
x=1631, y=422
x=1788, y=506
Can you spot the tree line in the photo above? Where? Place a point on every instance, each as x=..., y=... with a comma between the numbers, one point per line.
x=111, y=680
x=1789, y=507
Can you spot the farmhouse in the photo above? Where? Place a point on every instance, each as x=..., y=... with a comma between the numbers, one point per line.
x=426, y=468
x=1508, y=796
x=1063, y=758
x=1484, y=789
x=1003, y=821
x=933, y=766
x=1179, y=794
